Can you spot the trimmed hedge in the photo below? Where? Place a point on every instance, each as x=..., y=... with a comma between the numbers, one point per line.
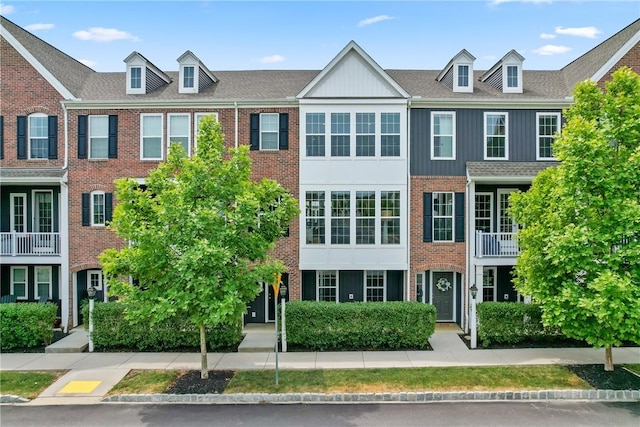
x=511, y=323
x=112, y=330
x=322, y=326
x=24, y=325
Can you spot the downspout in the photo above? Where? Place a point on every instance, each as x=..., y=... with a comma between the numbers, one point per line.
x=235, y=106
x=408, y=216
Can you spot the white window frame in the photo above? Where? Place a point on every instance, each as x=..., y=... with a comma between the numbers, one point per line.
x=36, y=283
x=514, y=225
x=13, y=197
x=505, y=78
x=381, y=134
x=346, y=217
x=456, y=74
x=452, y=216
x=320, y=219
x=184, y=87
x=35, y=223
x=92, y=208
x=26, y=282
x=277, y=132
x=350, y=134
x=483, y=193
x=45, y=138
x=307, y=134
x=390, y=217
x=367, y=287
x=336, y=275
x=160, y=135
x=196, y=124
x=136, y=90
x=506, y=135
x=494, y=285
x=187, y=135
x=100, y=279
x=367, y=134
x=421, y=284
x=453, y=135
x=91, y=137
x=538, y=136
x=366, y=217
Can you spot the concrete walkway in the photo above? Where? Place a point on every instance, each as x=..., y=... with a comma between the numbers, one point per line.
x=91, y=375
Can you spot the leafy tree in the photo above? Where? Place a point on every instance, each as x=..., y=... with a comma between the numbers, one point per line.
x=580, y=245
x=200, y=234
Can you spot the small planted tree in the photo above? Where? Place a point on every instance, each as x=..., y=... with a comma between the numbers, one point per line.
x=580, y=245
x=199, y=232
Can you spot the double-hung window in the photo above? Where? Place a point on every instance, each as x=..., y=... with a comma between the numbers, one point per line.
x=98, y=137
x=188, y=79
x=327, y=286
x=269, y=131
x=365, y=217
x=512, y=76
x=484, y=212
x=374, y=285
x=443, y=217
x=390, y=135
x=315, y=217
x=496, y=143
x=547, y=126
x=179, y=131
x=365, y=134
x=136, y=77
x=340, y=217
x=38, y=136
x=463, y=75
x=340, y=134
x=315, y=127
x=443, y=136
x=151, y=136
x=19, y=282
x=98, y=208
x=43, y=282
x=390, y=217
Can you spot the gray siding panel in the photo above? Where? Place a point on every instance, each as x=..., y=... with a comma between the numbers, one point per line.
x=469, y=140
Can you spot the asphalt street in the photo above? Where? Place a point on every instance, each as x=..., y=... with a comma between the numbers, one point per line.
x=396, y=415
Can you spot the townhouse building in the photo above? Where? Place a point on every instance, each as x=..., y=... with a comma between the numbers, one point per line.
x=403, y=176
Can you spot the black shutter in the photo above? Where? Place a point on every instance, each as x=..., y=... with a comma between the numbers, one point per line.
x=254, y=131
x=53, y=137
x=459, y=220
x=108, y=207
x=283, y=143
x=113, y=137
x=1, y=137
x=82, y=137
x=427, y=228
x=22, y=137
x=86, y=200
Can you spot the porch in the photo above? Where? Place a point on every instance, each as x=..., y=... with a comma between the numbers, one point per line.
x=29, y=244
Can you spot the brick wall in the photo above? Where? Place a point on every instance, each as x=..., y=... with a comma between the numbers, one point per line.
x=631, y=59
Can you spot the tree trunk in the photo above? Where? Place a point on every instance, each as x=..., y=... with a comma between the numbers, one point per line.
x=204, y=370
x=608, y=359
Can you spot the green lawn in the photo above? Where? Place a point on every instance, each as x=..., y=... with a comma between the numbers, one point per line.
x=28, y=384
x=145, y=382
x=634, y=367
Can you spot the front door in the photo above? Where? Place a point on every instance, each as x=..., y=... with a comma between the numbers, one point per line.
x=442, y=284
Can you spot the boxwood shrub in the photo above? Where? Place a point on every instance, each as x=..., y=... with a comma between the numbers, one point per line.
x=322, y=326
x=24, y=325
x=112, y=331
x=512, y=323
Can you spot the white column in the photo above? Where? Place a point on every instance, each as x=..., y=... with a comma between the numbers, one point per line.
x=474, y=318
x=63, y=219
x=284, y=325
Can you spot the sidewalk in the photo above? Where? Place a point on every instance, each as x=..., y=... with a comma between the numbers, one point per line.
x=91, y=375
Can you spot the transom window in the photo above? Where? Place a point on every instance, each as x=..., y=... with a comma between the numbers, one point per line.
x=43, y=281
x=98, y=137
x=390, y=217
x=327, y=286
x=374, y=285
x=340, y=134
x=484, y=209
x=97, y=208
x=269, y=131
x=390, y=138
x=315, y=127
x=495, y=136
x=94, y=278
x=315, y=217
x=463, y=75
x=151, y=133
x=512, y=76
x=365, y=218
x=38, y=136
x=19, y=282
x=179, y=132
x=548, y=125
x=188, y=77
x=136, y=77
x=442, y=217
x=443, y=135
x=365, y=134
x=340, y=217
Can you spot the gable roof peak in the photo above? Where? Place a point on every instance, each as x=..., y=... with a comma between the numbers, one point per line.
x=511, y=54
x=464, y=54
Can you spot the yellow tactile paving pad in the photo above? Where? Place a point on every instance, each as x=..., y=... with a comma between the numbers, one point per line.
x=80, y=387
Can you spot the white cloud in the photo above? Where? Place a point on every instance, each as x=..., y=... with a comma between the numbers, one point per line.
x=100, y=34
x=499, y=2
x=589, y=32
x=550, y=49
x=6, y=9
x=547, y=36
x=38, y=27
x=88, y=62
x=272, y=59
x=374, y=20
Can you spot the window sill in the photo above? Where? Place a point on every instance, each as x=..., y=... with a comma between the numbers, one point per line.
x=99, y=160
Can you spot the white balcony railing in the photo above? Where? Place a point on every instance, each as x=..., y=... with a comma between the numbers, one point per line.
x=23, y=244
x=496, y=245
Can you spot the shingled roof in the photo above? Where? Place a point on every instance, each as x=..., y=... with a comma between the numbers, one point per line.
x=507, y=169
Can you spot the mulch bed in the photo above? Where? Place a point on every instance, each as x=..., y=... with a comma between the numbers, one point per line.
x=191, y=383
x=597, y=377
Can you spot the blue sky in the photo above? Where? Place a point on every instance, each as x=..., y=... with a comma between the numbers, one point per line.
x=241, y=35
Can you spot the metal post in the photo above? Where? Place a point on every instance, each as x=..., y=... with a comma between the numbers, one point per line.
x=284, y=326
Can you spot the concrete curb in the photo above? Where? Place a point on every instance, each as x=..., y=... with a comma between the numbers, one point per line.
x=12, y=398
x=408, y=397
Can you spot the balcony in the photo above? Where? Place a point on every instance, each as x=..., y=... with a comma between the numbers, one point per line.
x=29, y=244
x=496, y=245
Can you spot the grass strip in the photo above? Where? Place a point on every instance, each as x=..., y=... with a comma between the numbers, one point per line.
x=145, y=382
x=389, y=380
x=635, y=367
x=27, y=384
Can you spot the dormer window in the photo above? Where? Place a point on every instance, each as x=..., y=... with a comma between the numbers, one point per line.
x=142, y=76
x=506, y=74
x=136, y=77
x=463, y=75
x=512, y=76
x=188, y=80
x=194, y=76
x=458, y=73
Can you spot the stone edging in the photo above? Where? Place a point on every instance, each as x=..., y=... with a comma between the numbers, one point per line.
x=408, y=397
x=12, y=398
